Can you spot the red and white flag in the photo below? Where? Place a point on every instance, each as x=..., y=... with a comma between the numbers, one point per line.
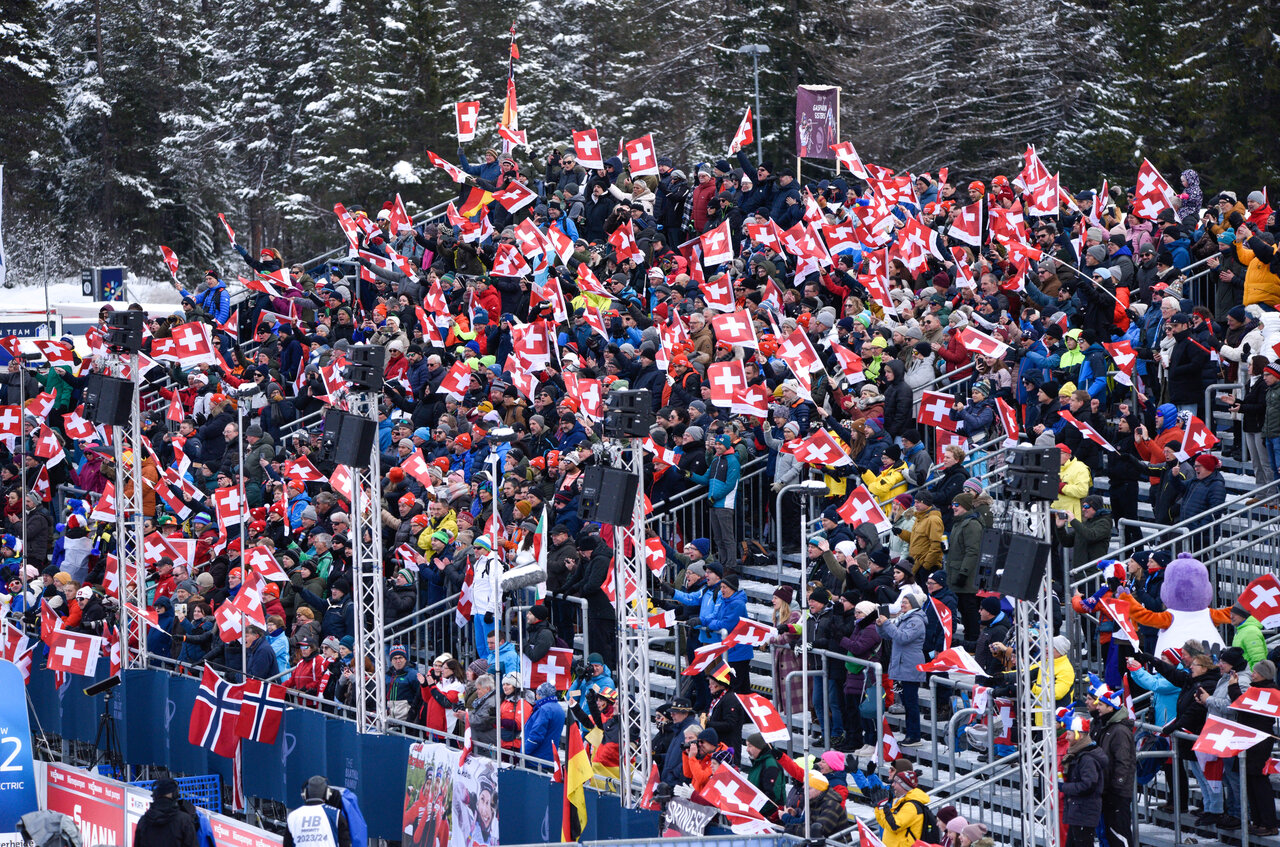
x=1196, y=438
x=467, y=114
x=1123, y=355
x=263, y=562
x=798, y=352
x=655, y=556
x=515, y=196
x=553, y=668
x=735, y=329
x=216, y=714
x=718, y=294
x=744, y=134
x=889, y=750
x=73, y=423
x=455, y=173
x=862, y=507
x=586, y=144
x=717, y=245
x=171, y=260
x=624, y=244
x=765, y=234
x=231, y=233
x=642, y=156
x=41, y=405
x=261, y=710
x=517, y=137
x=301, y=470
x=1008, y=420
x=705, y=657
x=105, y=509
x=228, y=506
x=192, y=344
x=727, y=381
x=848, y=156
x=1260, y=701
x=1261, y=599
x=820, y=448
x=1086, y=430
x=765, y=717
x=1118, y=610
x=1154, y=193
x=945, y=619
x=966, y=226
x=867, y=838
x=729, y=791
x=749, y=633
x=1227, y=739
x=48, y=446
x=954, y=659
x=663, y=620
x=979, y=342
x=74, y=652
x=935, y=410
x=508, y=262
x=850, y=362
x=156, y=547
x=457, y=381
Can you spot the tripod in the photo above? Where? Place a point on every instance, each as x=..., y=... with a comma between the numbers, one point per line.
x=107, y=741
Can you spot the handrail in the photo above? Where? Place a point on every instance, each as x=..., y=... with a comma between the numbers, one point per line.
x=755, y=466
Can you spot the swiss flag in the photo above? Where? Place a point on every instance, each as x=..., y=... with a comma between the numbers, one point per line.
x=48, y=446
x=42, y=485
x=663, y=620
x=263, y=562
x=467, y=114
x=1154, y=193
x=73, y=423
x=1086, y=430
x=889, y=750
x=1123, y=355
x=73, y=652
x=719, y=294
x=861, y=507
x=743, y=135
x=301, y=470
x=156, y=547
x=799, y=242
x=642, y=156
x=964, y=273
x=935, y=410
x=821, y=448
x=841, y=236
x=848, y=156
x=735, y=329
x=876, y=222
x=508, y=262
x=41, y=405
x=228, y=506
x=105, y=508
x=1261, y=598
x=850, y=362
x=561, y=244
x=867, y=838
x=416, y=466
x=1260, y=701
x=457, y=381
x=1196, y=439
x=624, y=244
x=1043, y=199
x=1008, y=419
x=1227, y=739
x=553, y=668
x=979, y=342
x=731, y=792
x=589, y=283
x=57, y=353
x=655, y=556
x=515, y=196
x=528, y=238
x=765, y=717
x=798, y=352
x=455, y=173
x=192, y=345
x=727, y=381
x=1007, y=224
x=586, y=144
x=170, y=259
x=955, y=659
x=663, y=454
x=765, y=234
x=945, y=618
x=517, y=137
x=717, y=245
x=966, y=226
x=705, y=657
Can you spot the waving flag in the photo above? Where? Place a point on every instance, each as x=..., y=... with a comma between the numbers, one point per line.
x=956, y=659
x=861, y=507
x=1227, y=739
x=262, y=707
x=1261, y=599
x=215, y=716
x=743, y=135
x=765, y=717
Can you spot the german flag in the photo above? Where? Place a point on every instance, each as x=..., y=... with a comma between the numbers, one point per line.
x=577, y=775
x=476, y=200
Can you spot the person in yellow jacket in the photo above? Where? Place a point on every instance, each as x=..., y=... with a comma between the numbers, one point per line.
x=892, y=479
x=1256, y=253
x=1074, y=479
x=924, y=539
x=902, y=815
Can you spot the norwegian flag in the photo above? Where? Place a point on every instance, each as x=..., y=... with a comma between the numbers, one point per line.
x=586, y=144
x=514, y=197
x=1123, y=355
x=467, y=117
x=216, y=714
x=263, y=562
x=1261, y=599
x=508, y=262
x=736, y=330
x=727, y=381
x=765, y=234
x=1087, y=430
x=861, y=507
x=553, y=668
x=1226, y=739
x=1196, y=439
x=261, y=709
x=966, y=226
x=455, y=173
x=935, y=410
x=170, y=259
x=820, y=448
x=1008, y=420
x=74, y=652
x=749, y=633
x=979, y=342
x=848, y=156
x=731, y=792
x=945, y=619
x=717, y=245
x=743, y=135
x=1154, y=193
x=642, y=156
x=953, y=659
x=705, y=657
x=765, y=717
x=889, y=750
x=624, y=244
x=655, y=557
x=719, y=294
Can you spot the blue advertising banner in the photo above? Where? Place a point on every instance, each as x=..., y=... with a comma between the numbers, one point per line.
x=45, y=708
x=145, y=698
x=184, y=758
x=80, y=712
x=18, y=782
x=263, y=768
x=381, y=783
x=304, y=737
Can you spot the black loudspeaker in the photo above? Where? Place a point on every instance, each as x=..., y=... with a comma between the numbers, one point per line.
x=608, y=496
x=108, y=400
x=1024, y=567
x=329, y=435
x=630, y=414
x=368, y=362
x=991, y=556
x=1032, y=473
x=124, y=330
x=355, y=441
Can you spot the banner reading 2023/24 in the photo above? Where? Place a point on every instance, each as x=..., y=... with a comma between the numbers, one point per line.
x=447, y=805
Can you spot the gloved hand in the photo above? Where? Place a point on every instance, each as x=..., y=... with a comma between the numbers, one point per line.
x=776, y=487
x=488, y=617
x=683, y=791
x=56, y=601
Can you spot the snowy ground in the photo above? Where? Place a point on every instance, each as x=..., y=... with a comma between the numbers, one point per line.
x=150, y=293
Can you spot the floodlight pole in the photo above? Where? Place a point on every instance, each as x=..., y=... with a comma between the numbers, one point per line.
x=756, y=51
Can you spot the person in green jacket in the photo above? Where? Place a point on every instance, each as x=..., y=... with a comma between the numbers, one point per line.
x=766, y=774
x=1248, y=635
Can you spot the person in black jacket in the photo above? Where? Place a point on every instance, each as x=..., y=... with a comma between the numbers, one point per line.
x=934, y=636
x=898, y=417
x=539, y=637
x=726, y=715
x=587, y=582
x=1084, y=769
x=169, y=822
x=1187, y=363
x=1146, y=579
x=1262, y=800
x=1253, y=408
x=1112, y=730
x=825, y=629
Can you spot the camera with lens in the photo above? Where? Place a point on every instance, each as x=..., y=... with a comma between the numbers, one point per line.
x=580, y=669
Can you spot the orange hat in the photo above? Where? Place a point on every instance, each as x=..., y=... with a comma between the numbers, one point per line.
x=257, y=527
x=218, y=398
x=408, y=499
x=569, y=403
x=553, y=459
x=380, y=310
x=271, y=592
x=420, y=520
x=1000, y=180
x=463, y=440
x=441, y=462
x=803, y=319
x=680, y=359
x=395, y=475
x=768, y=345
x=538, y=462
x=977, y=186
x=235, y=572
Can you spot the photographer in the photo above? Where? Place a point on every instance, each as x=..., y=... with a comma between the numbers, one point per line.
x=587, y=675
x=700, y=757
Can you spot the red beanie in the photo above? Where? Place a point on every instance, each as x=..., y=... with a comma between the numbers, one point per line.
x=1208, y=461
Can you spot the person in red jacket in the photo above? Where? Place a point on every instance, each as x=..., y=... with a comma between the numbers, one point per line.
x=442, y=688
x=309, y=670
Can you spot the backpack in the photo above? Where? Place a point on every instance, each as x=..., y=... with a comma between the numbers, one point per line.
x=930, y=832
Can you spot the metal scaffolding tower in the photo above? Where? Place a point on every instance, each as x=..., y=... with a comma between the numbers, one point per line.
x=367, y=579
x=126, y=443
x=630, y=582
x=1037, y=741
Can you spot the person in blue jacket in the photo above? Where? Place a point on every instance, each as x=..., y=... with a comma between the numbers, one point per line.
x=721, y=479
x=543, y=727
x=727, y=608
x=490, y=169
x=977, y=421
x=215, y=299
x=594, y=675
x=1093, y=370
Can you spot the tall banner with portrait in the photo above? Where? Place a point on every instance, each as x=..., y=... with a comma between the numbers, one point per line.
x=817, y=121
x=447, y=804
